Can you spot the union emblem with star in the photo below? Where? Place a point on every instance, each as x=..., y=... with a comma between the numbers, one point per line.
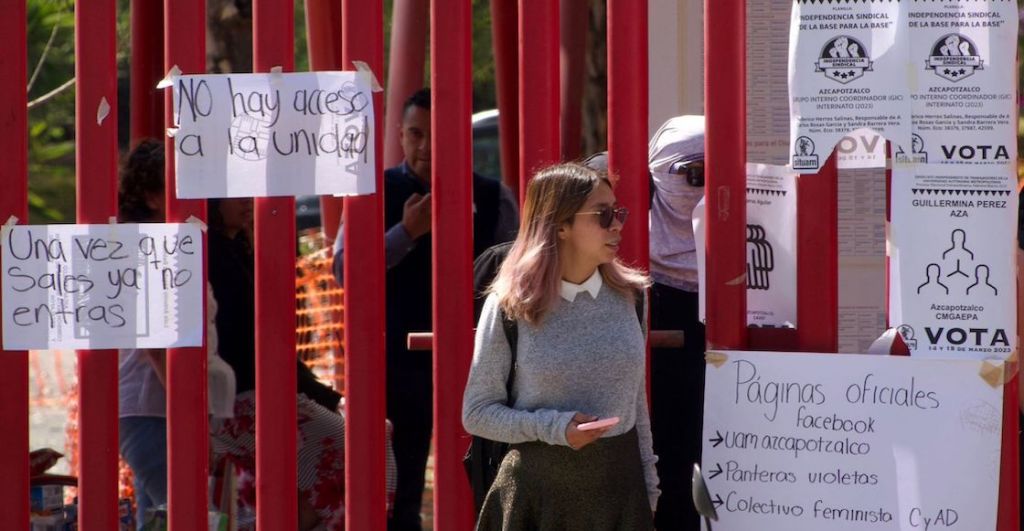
x=843, y=59
x=954, y=57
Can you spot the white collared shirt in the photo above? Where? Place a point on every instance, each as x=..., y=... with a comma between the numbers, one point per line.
x=591, y=285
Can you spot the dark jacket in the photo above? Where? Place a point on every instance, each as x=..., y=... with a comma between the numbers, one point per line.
x=409, y=283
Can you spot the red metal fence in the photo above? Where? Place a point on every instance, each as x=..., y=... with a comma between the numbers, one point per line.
x=536, y=105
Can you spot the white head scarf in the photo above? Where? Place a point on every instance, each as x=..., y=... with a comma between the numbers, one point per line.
x=673, y=253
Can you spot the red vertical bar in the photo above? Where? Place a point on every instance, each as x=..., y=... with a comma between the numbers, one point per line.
x=817, y=260
x=363, y=40
x=276, y=473
x=627, y=127
x=147, y=69
x=1009, y=471
x=574, y=22
x=725, y=158
x=187, y=432
x=504, y=37
x=323, y=34
x=452, y=91
x=888, y=219
x=323, y=37
x=406, y=58
x=14, y=202
x=96, y=182
x=627, y=121
x=538, y=88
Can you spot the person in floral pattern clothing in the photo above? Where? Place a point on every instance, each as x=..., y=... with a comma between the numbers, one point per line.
x=321, y=426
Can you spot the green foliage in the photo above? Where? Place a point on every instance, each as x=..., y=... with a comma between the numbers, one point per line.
x=301, y=48
x=484, y=95
x=51, y=124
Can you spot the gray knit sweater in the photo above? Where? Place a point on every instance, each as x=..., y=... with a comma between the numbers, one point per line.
x=586, y=356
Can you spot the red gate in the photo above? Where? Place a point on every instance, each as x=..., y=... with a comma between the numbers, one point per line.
x=360, y=23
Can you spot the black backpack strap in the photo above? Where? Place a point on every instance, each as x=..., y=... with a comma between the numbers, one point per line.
x=512, y=335
x=483, y=458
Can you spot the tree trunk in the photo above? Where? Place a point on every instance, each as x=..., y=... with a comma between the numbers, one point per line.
x=595, y=86
x=228, y=36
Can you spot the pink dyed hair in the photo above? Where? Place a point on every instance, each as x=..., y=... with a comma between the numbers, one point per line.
x=529, y=280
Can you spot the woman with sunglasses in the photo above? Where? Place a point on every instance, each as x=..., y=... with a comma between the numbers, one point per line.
x=580, y=358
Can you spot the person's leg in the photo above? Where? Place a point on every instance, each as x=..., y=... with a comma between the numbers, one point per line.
x=143, y=445
x=142, y=502
x=677, y=390
x=409, y=407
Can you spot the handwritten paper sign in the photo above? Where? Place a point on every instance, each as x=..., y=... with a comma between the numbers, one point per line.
x=821, y=442
x=102, y=286
x=847, y=71
x=242, y=135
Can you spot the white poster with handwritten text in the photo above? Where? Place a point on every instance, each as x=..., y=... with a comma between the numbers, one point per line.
x=102, y=286
x=847, y=71
x=259, y=135
x=844, y=442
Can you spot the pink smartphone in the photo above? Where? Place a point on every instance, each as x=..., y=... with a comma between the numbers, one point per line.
x=598, y=424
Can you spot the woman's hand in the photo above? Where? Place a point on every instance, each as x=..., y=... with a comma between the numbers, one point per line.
x=578, y=439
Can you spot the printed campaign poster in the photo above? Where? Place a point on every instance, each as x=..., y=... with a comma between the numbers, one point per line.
x=963, y=54
x=952, y=260
x=861, y=149
x=259, y=135
x=823, y=442
x=771, y=246
x=847, y=71
x=102, y=286
x=767, y=91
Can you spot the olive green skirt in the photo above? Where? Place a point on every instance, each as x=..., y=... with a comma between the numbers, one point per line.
x=555, y=488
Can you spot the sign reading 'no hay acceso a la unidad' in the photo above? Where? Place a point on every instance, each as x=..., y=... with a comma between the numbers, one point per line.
x=274, y=134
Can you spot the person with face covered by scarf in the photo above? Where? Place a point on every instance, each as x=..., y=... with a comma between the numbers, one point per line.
x=676, y=162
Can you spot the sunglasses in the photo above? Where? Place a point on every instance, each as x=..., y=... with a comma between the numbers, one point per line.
x=692, y=169
x=607, y=215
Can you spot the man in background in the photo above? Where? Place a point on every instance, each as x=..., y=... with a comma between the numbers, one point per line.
x=407, y=244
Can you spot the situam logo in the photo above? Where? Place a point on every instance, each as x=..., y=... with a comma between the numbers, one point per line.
x=804, y=158
x=907, y=333
x=954, y=57
x=843, y=59
x=918, y=153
